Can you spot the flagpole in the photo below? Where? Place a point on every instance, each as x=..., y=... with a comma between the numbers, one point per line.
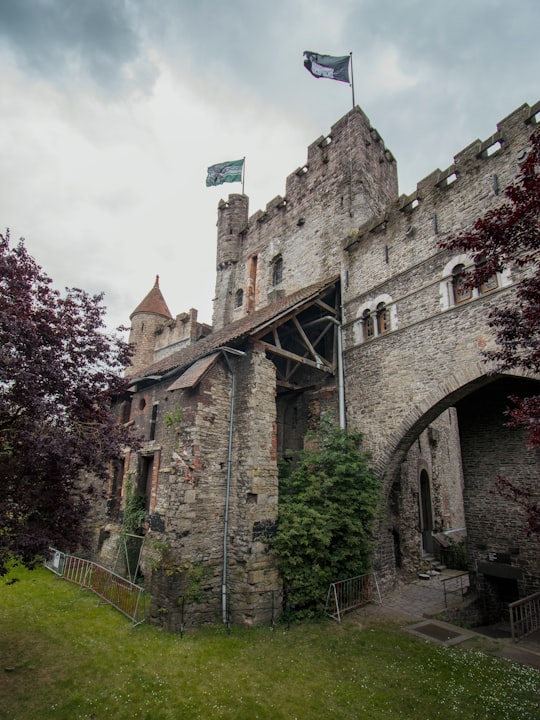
x=352, y=80
x=243, y=173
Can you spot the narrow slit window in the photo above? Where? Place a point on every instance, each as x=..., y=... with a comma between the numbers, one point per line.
x=277, y=270
x=383, y=319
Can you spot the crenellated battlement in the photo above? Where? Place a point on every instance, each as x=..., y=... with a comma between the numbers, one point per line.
x=348, y=189
x=492, y=156
x=348, y=176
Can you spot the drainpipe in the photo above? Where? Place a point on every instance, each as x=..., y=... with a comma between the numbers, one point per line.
x=341, y=375
x=232, y=368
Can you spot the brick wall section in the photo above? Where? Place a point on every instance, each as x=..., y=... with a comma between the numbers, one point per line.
x=254, y=491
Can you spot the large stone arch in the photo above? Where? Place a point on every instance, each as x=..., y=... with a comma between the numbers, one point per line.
x=489, y=447
x=417, y=418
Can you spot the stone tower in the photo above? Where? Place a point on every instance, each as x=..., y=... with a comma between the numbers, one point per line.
x=150, y=314
x=349, y=177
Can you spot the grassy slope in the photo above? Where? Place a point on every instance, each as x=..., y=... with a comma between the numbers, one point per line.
x=63, y=656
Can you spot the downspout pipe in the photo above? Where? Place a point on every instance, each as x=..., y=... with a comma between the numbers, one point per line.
x=226, y=352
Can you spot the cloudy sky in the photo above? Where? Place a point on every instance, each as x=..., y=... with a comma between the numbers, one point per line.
x=111, y=111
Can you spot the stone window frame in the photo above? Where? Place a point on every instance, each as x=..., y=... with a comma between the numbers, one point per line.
x=238, y=299
x=277, y=270
x=371, y=323
x=457, y=267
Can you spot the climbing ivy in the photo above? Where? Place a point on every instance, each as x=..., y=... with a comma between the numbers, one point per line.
x=134, y=510
x=174, y=418
x=328, y=501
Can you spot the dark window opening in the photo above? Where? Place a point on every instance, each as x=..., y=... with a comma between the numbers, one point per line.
x=153, y=421
x=277, y=270
x=125, y=411
x=146, y=474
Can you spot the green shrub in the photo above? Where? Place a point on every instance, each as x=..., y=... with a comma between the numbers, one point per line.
x=328, y=500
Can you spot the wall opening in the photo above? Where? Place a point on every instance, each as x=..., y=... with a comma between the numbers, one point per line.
x=426, y=513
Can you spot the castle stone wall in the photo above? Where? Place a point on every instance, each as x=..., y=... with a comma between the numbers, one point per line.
x=349, y=176
x=411, y=383
x=499, y=549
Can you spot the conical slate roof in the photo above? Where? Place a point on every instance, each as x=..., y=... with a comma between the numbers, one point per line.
x=153, y=303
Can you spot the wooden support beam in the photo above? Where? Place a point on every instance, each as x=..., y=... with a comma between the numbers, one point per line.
x=326, y=307
x=297, y=358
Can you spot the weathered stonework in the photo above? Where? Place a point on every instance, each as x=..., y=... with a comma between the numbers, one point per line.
x=341, y=251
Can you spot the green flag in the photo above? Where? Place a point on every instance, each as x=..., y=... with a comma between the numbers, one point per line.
x=225, y=172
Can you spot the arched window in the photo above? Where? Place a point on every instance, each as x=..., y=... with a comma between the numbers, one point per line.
x=462, y=291
x=492, y=283
x=239, y=298
x=383, y=319
x=369, y=325
x=454, y=288
x=277, y=270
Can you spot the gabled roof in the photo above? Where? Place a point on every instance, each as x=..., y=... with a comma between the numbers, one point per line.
x=236, y=331
x=154, y=303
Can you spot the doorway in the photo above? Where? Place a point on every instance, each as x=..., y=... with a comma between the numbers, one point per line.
x=426, y=514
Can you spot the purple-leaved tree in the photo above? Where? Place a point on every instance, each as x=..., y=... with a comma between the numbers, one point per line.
x=59, y=371
x=507, y=236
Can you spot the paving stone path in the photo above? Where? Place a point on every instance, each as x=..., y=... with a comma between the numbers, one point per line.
x=415, y=606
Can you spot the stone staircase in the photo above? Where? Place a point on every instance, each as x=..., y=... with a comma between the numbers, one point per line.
x=430, y=567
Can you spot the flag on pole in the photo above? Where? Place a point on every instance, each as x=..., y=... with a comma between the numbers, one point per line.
x=327, y=66
x=225, y=172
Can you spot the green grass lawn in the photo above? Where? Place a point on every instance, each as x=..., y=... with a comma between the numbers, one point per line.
x=64, y=656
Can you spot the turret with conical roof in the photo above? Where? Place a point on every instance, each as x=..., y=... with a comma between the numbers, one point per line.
x=149, y=314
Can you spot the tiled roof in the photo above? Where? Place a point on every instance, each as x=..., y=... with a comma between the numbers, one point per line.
x=153, y=303
x=236, y=331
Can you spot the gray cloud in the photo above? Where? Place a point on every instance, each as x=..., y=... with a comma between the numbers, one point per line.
x=108, y=151
x=66, y=41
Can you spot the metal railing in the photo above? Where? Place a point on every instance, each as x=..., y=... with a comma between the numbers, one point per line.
x=524, y=616
x=349, y=594
x=127, y=597
x=455, y=585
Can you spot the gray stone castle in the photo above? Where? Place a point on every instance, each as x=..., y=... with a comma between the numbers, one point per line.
x=336, y=297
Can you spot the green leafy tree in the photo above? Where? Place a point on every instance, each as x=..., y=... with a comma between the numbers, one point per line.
x=328, y=502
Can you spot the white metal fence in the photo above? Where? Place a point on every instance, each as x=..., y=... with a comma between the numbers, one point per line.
x=127, y=597
x=349, y=594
